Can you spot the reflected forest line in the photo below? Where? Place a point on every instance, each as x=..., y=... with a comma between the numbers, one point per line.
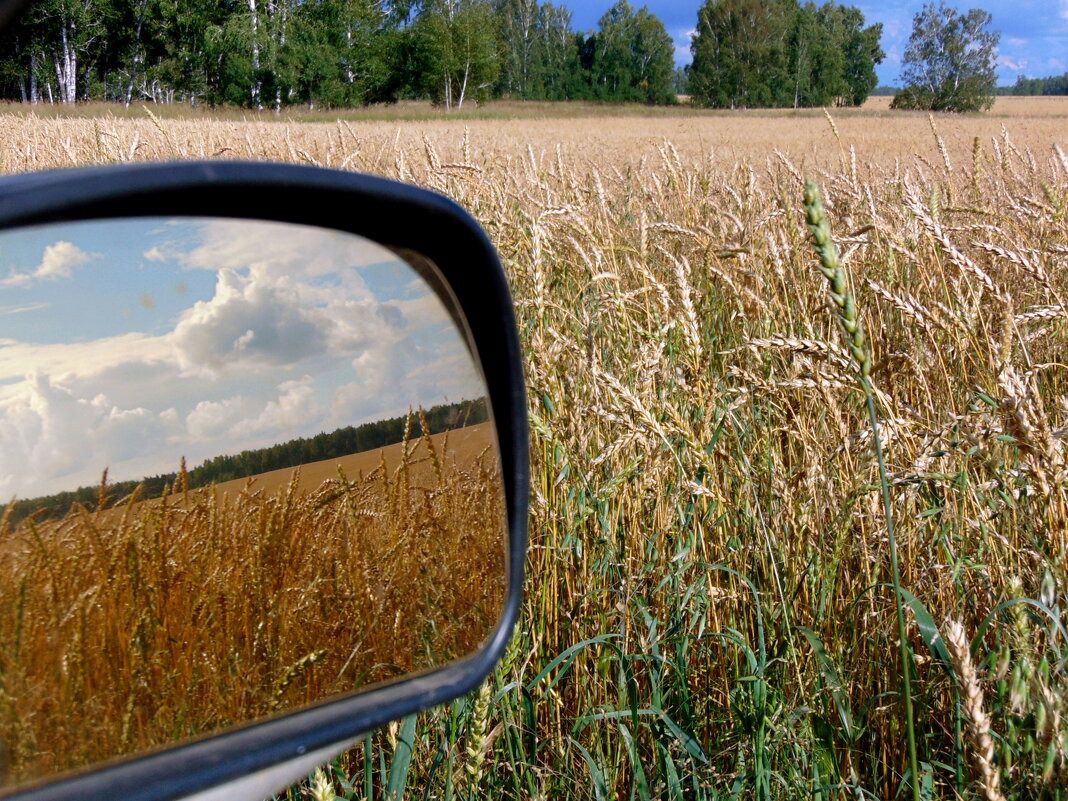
x=299, y=451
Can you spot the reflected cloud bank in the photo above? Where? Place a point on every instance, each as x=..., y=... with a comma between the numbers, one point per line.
x=130, y=344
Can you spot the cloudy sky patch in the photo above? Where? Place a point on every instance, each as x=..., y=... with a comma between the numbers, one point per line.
x=256, y=333
x=58, y=261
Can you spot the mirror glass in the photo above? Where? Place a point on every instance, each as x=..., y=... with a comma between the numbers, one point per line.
x=251, y=466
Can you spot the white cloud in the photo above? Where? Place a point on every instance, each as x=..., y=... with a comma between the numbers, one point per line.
x=156, y=253
x=211, y=419
x=1016, y=41
x=247, y=321
x=39, y=424
x=82, y=359
x=1013, y=63
x=286, y=416
x=57, y=261
x=285, y=254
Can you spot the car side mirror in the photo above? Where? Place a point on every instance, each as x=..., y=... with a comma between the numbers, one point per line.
x=263, y=433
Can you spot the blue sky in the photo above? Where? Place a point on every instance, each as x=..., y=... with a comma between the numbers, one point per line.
x=1034, y=33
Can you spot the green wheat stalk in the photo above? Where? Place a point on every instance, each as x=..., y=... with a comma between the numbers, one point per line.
x=832, y=269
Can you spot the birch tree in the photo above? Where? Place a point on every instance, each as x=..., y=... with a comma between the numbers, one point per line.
x=69, y=35
x=456, y=49
x=537, y=49
x=950, y=63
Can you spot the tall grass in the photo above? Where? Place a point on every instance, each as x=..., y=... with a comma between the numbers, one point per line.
x=710, y=610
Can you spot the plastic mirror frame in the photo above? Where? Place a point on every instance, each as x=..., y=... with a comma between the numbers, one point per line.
x=395, y=215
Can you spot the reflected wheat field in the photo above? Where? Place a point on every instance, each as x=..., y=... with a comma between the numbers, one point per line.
x=157, y=620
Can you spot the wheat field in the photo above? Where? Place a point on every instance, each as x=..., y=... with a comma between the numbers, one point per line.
x=709, y=611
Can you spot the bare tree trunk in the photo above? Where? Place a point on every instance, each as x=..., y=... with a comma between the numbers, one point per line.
x=255, y=88
x=280, y=9
x=66, y=66
x=139, y=54
x=350, y=76
x=35, y=89
x=463, y=86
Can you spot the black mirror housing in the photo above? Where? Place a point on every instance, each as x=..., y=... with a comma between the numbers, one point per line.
x=269, y=754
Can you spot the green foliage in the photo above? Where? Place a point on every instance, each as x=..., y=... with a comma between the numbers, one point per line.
x=456, y=51
x=780, y=54
x=347, y=53
x=950, y=63
x=1053, y=85
x=332, y=53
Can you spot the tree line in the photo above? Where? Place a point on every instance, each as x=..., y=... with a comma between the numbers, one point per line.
x=345, y=53
x=330, y=53
x=1053, y=85
x=228, y=467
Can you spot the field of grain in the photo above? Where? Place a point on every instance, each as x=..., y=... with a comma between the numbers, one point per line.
x=153, y=621
x=709, y=611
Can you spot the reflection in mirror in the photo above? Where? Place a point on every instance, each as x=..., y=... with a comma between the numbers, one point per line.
x=253, y=468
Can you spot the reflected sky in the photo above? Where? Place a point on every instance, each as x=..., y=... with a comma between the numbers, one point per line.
x=128, y=344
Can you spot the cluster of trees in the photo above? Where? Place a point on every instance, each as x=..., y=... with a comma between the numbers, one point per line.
x=332, y=53
x=779, y=53
x=303, y=450
x=275, y=53
x=1053, y=85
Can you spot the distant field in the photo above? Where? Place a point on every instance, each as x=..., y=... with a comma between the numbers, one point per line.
x=462, y=446
x=596, y=134
x=423, y=111
x=1004, y=106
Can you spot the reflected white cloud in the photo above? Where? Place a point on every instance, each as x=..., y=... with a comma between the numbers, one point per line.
x=48, y=431
x=58, y=261
x=245, y=321
x=5, y=310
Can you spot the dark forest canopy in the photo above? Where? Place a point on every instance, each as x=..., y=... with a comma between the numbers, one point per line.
x=331, y=53
x=347, y=53
x=295, y=452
